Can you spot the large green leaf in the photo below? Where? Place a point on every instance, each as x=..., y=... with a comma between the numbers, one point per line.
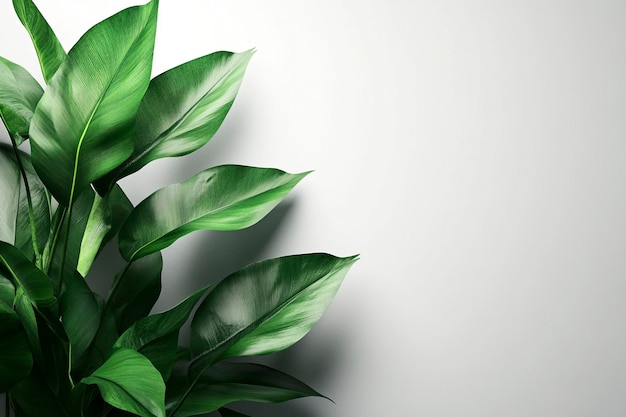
x=25, y=275
x=156, y=336
x=129, y=381
x=265, y=307
x=80, y=314
x=83, y=126
x=228, y=197
x=19, y=95
x=184, y=107
x=225, y=383
x=9, y=197
x=40, y=203
x=48, y=47
x=135, y=292
x=16, y=359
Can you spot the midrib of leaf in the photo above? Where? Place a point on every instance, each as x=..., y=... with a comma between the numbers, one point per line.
x=173, y=127
x=226, y=207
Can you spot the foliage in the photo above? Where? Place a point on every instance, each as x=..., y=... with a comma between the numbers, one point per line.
x=65, y=350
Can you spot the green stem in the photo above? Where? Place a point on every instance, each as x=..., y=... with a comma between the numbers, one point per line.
x=31, y=212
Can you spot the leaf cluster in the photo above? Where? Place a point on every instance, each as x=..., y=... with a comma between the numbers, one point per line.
x=67, y=351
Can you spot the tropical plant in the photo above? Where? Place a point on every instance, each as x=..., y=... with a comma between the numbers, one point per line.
x=65, y=350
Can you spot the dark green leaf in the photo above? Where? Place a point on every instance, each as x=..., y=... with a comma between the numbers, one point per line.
x=226, y=412
x=228, y=197
x=80, y=314
x=26, y=312
x=184, y=107
x=19, y=95
x=129, y=381
x=24, y=274
x=225, y=383
x=83, y=126
x=156, y=336
x=135, y=293
x=33, y=397
x=48, y=47
x=16, y=359
x=7, y=293
x=265, y=307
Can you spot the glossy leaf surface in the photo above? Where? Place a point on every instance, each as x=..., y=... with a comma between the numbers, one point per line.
x=156, y=336
x=265, y=307
x=120, y=386
x=19, y=95
x=202, y=203
x=184, y=107
x=47, y=45
x=225, y=383
x=24, y=274
x=82, y=128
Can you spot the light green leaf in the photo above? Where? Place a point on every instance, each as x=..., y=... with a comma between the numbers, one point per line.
x=48, y=47
x=228, y=197
x=225, y=383
x=265, y=307
x=24, y=274
x=121, y=387
x=97, y=228
x=156, y=336
x=19, y=95
x=184, y=107
x=135, y=293
x=83, y=126
x=9, y=197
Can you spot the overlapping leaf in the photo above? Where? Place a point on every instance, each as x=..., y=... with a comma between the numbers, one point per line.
x=265, y=307
x=47, y=45
x=129, y=381
x=228, y=197
x=25, y=275
x=225, y=383
x=184, y=107
x=19, y=95
x=83, y=125
x=16, y=359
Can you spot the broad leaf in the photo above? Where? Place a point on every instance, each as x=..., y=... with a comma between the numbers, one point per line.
x=83, y=126
x=135, y=293
x=156, y=336
x=26, y=313
x=25, y=275
x=48, y=47
x=40, y=204
x=120, y=384
x=7, y=293
x=80, y=314
x=225, y=383
x=228, y=197
x=265, y=307
x=19, y=95
x=184, y=107
x=16, y=359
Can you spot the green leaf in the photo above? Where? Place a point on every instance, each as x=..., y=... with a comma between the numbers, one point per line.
x=7, y=293
x=16, y=359
x=40, y=202
x=9, y=197
x=129, y=381
x=24, y=274
x=83, y=126
x=48, y=47
x=97, y=228
x=225, y=383
x=33, y=397
x=19, y=95
x=184, y=107
x=228, y=197
x=135, y=293
x=226, y=412
x=26, y=312
x=156, y=336
x=265, y=307
x=80, y=314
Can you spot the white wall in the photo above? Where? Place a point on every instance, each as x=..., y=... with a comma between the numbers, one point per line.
x=472, y=151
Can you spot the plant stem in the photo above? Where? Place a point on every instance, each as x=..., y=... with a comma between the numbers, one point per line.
x=31, y=213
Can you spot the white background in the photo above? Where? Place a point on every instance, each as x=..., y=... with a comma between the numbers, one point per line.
x=471, y=151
